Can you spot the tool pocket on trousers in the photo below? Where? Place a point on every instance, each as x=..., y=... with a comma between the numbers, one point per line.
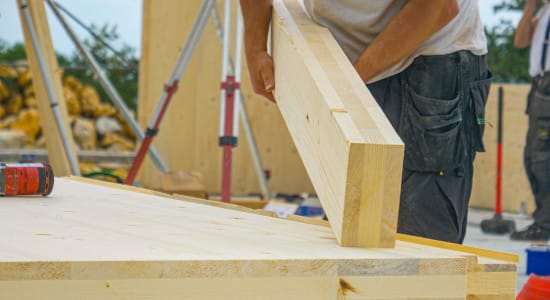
x=541, y=106
x=541, y=171
x=432, y=132
x=479, y=91
x=542, y=140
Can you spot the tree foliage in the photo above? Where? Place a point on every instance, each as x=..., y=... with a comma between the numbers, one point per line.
x=508, y=63
x=11, y=53
x=121, y=67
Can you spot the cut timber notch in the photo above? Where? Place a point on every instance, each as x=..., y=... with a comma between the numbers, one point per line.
x=351, y=152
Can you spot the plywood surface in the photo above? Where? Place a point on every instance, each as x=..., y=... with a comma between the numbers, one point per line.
x=84, y=231
x=111, y=241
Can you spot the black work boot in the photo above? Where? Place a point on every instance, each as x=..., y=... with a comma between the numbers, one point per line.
x=533, y=233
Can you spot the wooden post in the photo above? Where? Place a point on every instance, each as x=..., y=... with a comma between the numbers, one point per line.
x=56, y=152
x=188, y=135
x=350, y=150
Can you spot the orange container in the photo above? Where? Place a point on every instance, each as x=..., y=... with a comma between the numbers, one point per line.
x=536, y=288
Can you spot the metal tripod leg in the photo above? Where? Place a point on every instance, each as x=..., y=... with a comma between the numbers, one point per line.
x=230, y=93
x=107, y=86
x=245, y=122
x=50, y=91
x=182, y=62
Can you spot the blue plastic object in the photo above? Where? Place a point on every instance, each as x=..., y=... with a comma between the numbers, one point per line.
x=538, y=261
x=310, y=207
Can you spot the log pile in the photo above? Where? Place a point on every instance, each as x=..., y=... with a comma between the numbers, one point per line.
x=95, y=124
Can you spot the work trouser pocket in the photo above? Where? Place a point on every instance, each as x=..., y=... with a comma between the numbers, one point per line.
x=537, y=150
x=542, y=136
x=479, y=91
x=541, y=172
x=432, y=131
x=541, y=105
x=541, y=114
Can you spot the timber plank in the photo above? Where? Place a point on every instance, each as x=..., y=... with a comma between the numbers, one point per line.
x=193, y=116
x=112, y=241
x=117, y=230
x=56, y=152
x=351, y=153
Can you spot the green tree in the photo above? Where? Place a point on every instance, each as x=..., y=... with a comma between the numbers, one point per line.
x=11, y=53
x=508, y=63
x=121, y=67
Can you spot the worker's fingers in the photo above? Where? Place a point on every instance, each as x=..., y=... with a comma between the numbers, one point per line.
x=268, y=82
x=262, y=92
x=259, y=88
x=269, y=96
x=260, y=67
x=265, y=76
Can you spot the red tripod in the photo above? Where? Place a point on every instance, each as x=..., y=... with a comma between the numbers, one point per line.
x=230, y=92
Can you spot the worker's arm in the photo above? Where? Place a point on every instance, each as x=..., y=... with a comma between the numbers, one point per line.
x=417, y=21
x=526, y=26
x=257, y=17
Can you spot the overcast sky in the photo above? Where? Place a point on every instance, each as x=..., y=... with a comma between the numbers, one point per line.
x=126, y=14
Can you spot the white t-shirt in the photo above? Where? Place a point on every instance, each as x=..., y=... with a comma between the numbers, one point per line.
x=355, y=24
x=537, y=41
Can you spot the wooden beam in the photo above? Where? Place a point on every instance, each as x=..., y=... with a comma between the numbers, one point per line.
x=351, y=152
x=39, y=154
x=486, y=253
x=193, y=115
x=150, y=246
x=516, y=191
x=284, y=288
x=498, y=255
x=56, y=152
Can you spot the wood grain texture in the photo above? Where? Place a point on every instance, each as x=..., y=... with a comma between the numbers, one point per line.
x=352, y=154
x=112, y=241
x=188, y=136
x=173, y=289
x=56, y=152
x=85, y=231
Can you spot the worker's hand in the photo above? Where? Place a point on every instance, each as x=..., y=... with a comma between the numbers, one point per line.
x=526, y=26
x=530, y=5
x=260, y=66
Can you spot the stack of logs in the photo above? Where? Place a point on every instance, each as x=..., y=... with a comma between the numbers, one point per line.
x=95, y=125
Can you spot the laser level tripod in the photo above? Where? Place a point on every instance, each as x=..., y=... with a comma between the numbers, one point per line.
x=232, y=101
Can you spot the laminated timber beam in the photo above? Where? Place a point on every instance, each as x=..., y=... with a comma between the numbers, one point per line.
x=58, y=158
x=351, y=152
x=108, y=241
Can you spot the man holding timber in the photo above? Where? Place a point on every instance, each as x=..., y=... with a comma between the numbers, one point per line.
x=424, y=62
x=534, y=30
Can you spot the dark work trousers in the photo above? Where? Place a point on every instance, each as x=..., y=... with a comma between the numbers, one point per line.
x=437, y=105
x=537, y=147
